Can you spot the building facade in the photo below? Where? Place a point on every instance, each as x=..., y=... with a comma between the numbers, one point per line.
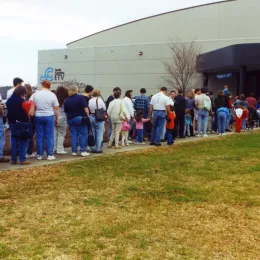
x=131, y=55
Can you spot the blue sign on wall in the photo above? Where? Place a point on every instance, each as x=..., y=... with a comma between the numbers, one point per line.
x=47, y=74
x=224, y=76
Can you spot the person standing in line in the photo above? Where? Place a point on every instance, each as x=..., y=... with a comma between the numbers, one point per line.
x=222, y=114
x=244, y=118
x=76, y=109
x=61, y=127
x=251, y=100
x=190, y=104
x=142, y=104
x=46, y=116
x=195, y=122
x=110, y=99
x=229, y=105
x=170, y=126
x=17, y=115
x=180, y=106
x=2, y=135
x=159, y=104
x=30, y=153
x=88, y=92
x=187, y=122
x=97, y=126
x=16, y=83
x=225, y=90
x=139, y=125
x=203, y=105
x=118, y=113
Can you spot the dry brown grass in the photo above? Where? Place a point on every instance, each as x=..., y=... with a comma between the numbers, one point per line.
x=178, y=203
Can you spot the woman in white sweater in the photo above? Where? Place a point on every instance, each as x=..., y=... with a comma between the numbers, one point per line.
x=117, y=112
x=129, y=103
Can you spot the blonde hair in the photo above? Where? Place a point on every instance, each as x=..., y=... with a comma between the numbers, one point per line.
x=96, y=93
x=73, y=90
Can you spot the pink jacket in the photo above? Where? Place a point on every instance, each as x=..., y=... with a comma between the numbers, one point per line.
x=140, y=125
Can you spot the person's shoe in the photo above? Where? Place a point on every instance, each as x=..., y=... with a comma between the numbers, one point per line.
x=220, y=134
x=61, y=152
x=224, y=134
x=74, y=154
x=99, y=152
x=13, y=163
x=130, y=142
x=84, y=154
x=163, y=141
x=24, y=163
x=136, y=143
x=152, y=143
x=39, y=157
x=227, y=130
x=118, y=147
x=3, y=160
x=183, y=136
x=158, y=145
x=127, y=144
x=33, y=155
x=51, y=158
x=189, y=135
x=143, y=143
x=205, y=136
x=109, y=146
x=198, y=135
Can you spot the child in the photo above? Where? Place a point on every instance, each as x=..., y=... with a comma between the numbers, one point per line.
x=187, y=122
x=239, y=113
x=244, y=118
x=170, y=126
x=124, y=132
x=139, y=128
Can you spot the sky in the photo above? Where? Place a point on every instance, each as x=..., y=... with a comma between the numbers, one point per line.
x=30, y=25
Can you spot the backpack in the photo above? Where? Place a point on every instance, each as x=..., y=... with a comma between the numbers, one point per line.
x=207, y=104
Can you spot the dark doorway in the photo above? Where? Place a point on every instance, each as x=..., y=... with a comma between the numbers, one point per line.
x=253, y=83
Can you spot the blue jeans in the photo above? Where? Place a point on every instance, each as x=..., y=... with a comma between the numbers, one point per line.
x=169, y=136
x=244, y=124
x=222, y=118
x=158, y=125
x=139, y=135
x=228, y=119
x=203, y=120
x=18, y=143
x=78, y=134
x=44, y=131
x=109, y=131
x=2, y=138
x=98, y=132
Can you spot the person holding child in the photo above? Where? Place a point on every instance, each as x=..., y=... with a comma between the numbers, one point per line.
x=139, y=127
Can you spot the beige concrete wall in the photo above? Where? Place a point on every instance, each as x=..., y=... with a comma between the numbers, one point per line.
x=111, y=58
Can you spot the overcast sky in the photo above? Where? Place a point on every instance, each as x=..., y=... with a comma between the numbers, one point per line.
x=27, y=26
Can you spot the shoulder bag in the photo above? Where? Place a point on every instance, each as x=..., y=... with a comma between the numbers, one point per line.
x=100, y=113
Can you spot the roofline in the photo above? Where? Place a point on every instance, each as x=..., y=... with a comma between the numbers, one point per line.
x=138, y=20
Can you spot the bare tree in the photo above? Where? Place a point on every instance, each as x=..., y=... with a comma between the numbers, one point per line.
x=182, y=65
x=81, y=86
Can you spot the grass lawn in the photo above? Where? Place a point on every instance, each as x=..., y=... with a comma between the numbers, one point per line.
x=197, y=200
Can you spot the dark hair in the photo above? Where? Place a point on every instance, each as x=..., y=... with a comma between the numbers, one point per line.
x=139, y=116
x=163, y=89
x=242, y=97
x=180, y=92
x=187, y=112
x=17, y=81
x=197, y=90
x=20, y=91
x=117, y=94
x=62, y=94
x=252, y=95
x=220, y=93
x=172, y=108
x=173, y=91
x=88, y=89
x=29, y=90
x=211, y=93
x=229, y=94
x=117, y=89
x=142, y=90
x=204, y=90
x=127, y=93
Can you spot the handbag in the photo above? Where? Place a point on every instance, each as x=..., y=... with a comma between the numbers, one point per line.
x=100, y=113
x=23, y=130
x=91, y=138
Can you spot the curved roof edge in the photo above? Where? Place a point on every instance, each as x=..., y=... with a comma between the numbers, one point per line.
x=179, y=10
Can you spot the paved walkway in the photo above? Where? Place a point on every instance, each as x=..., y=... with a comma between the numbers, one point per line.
x=70, y=158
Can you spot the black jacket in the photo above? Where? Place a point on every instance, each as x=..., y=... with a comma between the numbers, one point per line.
x=180, y=104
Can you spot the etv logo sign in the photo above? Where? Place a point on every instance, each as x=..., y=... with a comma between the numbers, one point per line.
x=48, y=74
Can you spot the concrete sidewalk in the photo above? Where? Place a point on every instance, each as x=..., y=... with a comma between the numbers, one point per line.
x=70, y=158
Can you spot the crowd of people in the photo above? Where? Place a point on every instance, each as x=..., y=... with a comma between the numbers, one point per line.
x=160, y=118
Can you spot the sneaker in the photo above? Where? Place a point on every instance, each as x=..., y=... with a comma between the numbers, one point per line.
x=224, y=134
x=205, y=135
x=152, y=143
x=84, y=154
x=33, y=155
x=13, y=163
x=130, y=142
x=61, y=152
x=118, y=147
x=136, y=143
x=143, y=143
x=39, y=157
x=74, y=154
x=51, y=158
x=158, y=145
x=127, y=144
x=198, y=135
x=220, y=134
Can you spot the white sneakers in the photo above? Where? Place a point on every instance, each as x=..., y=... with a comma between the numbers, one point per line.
x=51, y=158
x=74, y=154
x=39, y=157
x=84, y=154
x=61, y=152
x=33, y=155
